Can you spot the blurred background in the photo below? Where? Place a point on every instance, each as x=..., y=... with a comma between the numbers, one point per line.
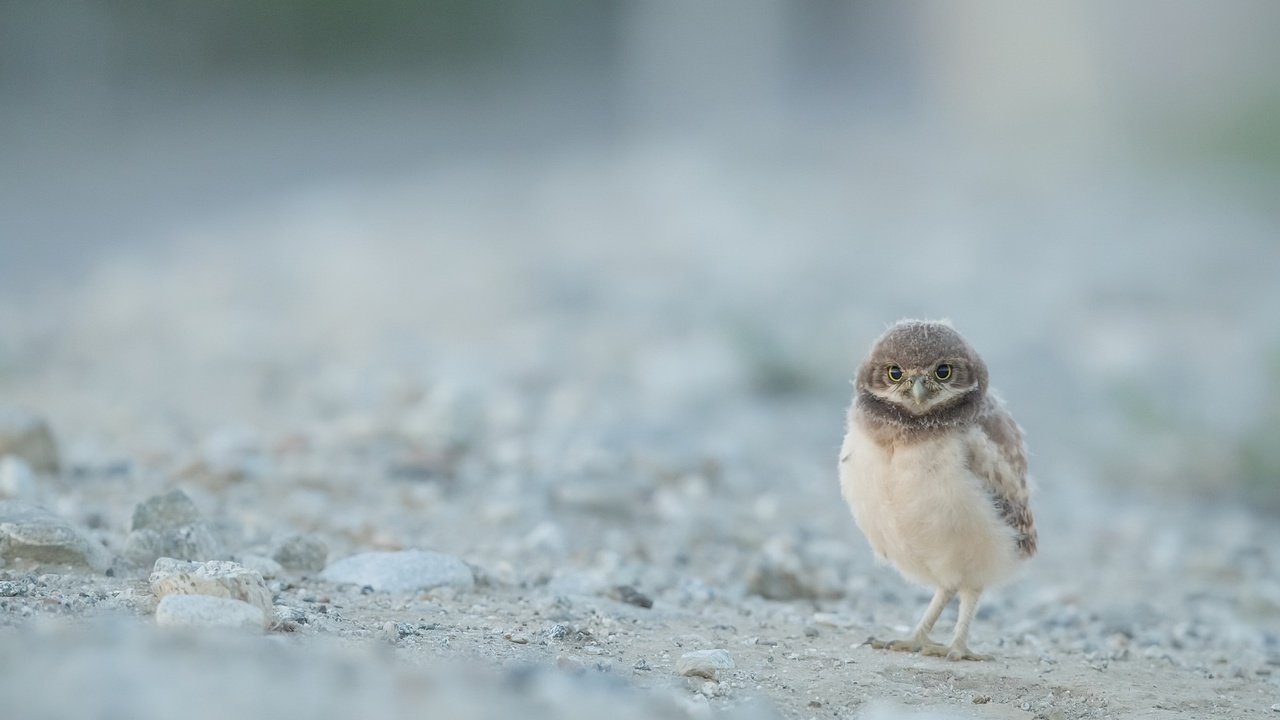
x=231, y=219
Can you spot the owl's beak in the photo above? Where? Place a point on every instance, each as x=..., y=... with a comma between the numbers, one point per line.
x=918, y=390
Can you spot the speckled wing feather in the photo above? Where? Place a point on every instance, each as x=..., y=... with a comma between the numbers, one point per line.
x=998, y=457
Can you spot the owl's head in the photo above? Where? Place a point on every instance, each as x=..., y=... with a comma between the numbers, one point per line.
x=922, y=371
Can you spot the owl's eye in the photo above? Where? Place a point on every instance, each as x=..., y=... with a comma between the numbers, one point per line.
x=942, y=372
x=895, y=373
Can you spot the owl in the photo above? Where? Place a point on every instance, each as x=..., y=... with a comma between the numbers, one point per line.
x=934, y=469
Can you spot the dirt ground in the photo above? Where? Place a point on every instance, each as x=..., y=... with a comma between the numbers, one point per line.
x=619, y=402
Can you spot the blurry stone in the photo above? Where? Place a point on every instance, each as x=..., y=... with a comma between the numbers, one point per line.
x=217, y=578
x=204, y=611
x=710, y=664
x=190, y=542
x=33, y=533
x=17, y=481
x=169, y=526
x=301, y=553
x=264, y=566
x=402, y=571
x=631, y=596
x=28, y=437
x=161, y=512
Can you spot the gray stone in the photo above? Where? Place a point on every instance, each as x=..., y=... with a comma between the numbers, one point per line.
x=169, y=525
x=17, y=480
x=403, y=571
x=216, y=579
x=265, y=566
x=301, y=553
x=29, y=438
x=190, y=542
x=162, y=512
x=204, y=611
x=710, y=664
x=33, y=533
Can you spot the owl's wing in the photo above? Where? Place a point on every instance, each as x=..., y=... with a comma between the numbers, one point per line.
x=998, y=457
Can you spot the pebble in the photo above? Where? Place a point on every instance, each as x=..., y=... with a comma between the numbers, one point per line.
x=704, y=663
x=17, y=480
x=402, y=571
x=204, y=611
x=169, y=526
x=33, y=533
x=161, y=512
x=631, y=596
x=217, y=578
x=301, y=553
x=28, y=437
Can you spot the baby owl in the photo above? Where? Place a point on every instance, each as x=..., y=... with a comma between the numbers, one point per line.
x=934, y=469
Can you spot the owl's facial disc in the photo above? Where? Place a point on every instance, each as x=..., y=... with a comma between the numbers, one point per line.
x=919, y=390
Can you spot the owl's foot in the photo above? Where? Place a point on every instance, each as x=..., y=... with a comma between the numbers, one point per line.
x=954, y=652
x=911, y=644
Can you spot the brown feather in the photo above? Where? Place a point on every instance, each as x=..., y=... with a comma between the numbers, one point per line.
x=1005, y=476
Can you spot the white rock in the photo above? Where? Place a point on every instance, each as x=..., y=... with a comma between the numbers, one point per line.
x=17, y=480
x=204, y=611
x=30, y=438
x=33, y=533
x=217, y=578
x=403, y=571
x=708, y=664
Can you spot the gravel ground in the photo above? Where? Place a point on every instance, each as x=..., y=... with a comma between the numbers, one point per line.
x=532, y=441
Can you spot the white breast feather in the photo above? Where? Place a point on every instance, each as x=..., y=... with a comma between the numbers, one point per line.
x=923, y=510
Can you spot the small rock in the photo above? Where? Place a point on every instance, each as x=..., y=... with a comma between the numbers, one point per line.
x=1275, y=708
x=289, y=618
x=161, y=512
x=810, y=631
x=29, y=438
x=403, y=571
x=204, y=611
x=33, y=533
x=217, y=578
x=301, y=553
x=17, y=481
x=631, y=596
x=169, y=526
x=704, y=663
x=189, y=542
x=265, y=566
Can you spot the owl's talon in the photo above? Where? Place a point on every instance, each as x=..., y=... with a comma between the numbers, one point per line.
x=962, y=653
x=912, y=644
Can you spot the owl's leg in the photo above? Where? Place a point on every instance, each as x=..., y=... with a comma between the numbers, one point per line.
x=959, y=649
x=919, y=640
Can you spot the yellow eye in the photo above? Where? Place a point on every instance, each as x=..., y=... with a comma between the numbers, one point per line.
x=942, y=372
x=895, y=374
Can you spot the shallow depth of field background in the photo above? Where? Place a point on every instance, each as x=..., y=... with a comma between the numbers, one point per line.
x=231, y=214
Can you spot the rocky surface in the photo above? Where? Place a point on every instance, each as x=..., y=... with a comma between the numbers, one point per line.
x=608, y=398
